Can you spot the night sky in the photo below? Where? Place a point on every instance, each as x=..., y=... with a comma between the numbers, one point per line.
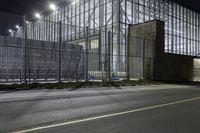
x=22, y=7
x=29, y=6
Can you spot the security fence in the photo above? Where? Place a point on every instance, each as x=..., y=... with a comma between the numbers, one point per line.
x=38, y=61
x=33, y=54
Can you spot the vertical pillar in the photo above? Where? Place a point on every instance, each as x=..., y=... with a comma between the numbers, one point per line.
x=60, y=56
x=117, y=29
x=109, y=62
x=25, y=51
x=86, y=53
x=101, y=35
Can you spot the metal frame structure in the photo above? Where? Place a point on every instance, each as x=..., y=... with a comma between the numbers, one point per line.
x=182, y=25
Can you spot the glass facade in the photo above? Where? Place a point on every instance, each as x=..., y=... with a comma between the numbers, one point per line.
x=182, y=25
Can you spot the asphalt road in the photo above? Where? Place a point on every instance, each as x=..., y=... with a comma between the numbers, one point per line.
x=152, y=109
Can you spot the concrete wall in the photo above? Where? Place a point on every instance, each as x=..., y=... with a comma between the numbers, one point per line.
x=142, y=39
x=196, y=69
x=149, y=61
x=174, y=67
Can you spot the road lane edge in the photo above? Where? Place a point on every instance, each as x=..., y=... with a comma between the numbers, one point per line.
x=108, y=115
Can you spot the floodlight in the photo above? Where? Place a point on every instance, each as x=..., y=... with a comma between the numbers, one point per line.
x=10, y=30
x=52, y=6
x=37, y=15
x=17, y=26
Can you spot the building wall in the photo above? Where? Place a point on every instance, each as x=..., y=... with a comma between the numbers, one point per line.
x=182, y=25
x=149, y=61
x=196, y=70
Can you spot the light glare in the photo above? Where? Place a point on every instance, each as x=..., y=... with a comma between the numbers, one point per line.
x=37, y=15
x=74, y=2
x=52, y=6
x=17, y=26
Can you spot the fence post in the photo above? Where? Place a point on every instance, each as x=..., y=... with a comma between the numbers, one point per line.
x=100, y=55
x=144, y=72
x=128, y=55
x=86, y=52
x=20, y=73
x=60, y=48
x=109, y=45
x=25, y=51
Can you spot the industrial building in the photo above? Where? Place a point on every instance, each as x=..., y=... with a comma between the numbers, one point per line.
x=101, y=28
x=182, y=25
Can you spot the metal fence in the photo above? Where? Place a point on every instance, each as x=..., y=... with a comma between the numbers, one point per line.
x=34, y=55
x=37, y=61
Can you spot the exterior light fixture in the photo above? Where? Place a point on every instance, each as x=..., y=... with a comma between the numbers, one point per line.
x=37, y=15
x=73, y=3
x=10, y=31
x=52, y=6
x=17, y=26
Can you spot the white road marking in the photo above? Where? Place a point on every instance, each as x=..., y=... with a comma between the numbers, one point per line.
x=107, y=116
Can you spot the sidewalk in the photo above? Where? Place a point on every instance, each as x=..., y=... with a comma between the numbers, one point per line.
x=82, y=92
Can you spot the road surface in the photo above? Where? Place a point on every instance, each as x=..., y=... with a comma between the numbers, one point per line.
x=143, y=109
